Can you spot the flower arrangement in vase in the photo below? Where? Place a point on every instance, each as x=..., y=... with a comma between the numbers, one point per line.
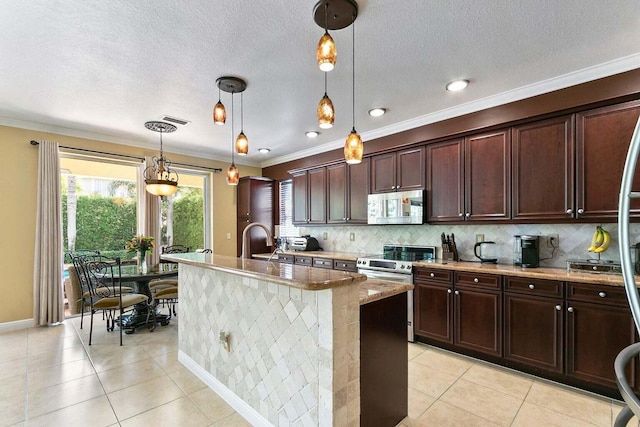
x=140, y=245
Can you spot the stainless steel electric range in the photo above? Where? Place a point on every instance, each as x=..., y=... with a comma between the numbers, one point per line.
x=396, y=264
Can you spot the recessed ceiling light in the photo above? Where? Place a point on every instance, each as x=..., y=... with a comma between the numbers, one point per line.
x=312, y=134
x=377, y=112
x=457, y=85
x=264, y=150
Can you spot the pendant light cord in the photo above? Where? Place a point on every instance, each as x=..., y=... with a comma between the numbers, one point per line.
x=325, y=84
x=326, y=19
x=232, y=134
x=241, y=112
x=353, y=71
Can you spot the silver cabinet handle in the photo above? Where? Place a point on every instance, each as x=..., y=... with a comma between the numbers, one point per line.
x=432, y=275
x=247, y=220
x=580, y=211
x=570, y=309
x=475, y=280
x=467, y=214
x=348, y=218
x=344, y=219
x=448, y=291
x=460, y=214
x=558, y=307
x=248, y=214
x=532, y=286
x=569, y=211
x=602, y=294
x=457, y=292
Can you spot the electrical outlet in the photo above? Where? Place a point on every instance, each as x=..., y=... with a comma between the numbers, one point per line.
x=479, y=238
x=553, y=241
x=228, y=236
x=325, y=236
x=352, y=236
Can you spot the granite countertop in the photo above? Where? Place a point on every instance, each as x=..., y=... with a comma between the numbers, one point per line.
x=374, y=290
x=343, y=256
x=534, y=273
x=296, y=276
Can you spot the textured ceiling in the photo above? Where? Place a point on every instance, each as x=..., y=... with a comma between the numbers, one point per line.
x=100, y=69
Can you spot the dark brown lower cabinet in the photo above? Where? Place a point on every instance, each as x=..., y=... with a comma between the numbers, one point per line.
x=533, y=331
x=433, y=311
x=478, y=320
x=596, y=333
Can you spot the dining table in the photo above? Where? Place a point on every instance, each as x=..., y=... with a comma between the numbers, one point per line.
x=141, y=279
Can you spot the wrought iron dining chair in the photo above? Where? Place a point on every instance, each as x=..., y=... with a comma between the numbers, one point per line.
x=168, y=296
x=81, y=294
x=160, y=284
x=104, y=281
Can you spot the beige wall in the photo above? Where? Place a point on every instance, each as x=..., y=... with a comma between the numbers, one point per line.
x=18, y=194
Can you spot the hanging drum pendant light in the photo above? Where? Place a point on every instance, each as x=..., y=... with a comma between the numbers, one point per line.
x=325, y=111
x=160, y=179
x=353, y=147
x=219, y=113
x=242, y=143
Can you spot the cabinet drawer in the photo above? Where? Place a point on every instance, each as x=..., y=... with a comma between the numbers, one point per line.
x=534, y=286
x=323, y=263
x=303, y=260
x=433, y=275
x=286, y=258
x=603, y=294
x=489, y=281
x=344, y=265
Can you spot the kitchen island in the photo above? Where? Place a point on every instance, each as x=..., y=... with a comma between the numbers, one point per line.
x=283, y=343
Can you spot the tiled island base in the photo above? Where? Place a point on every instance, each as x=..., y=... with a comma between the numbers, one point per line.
x=293, y=353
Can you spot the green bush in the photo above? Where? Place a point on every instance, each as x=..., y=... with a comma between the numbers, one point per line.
x=188, y=220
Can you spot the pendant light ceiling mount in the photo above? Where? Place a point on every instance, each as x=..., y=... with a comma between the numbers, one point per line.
x=231, y=84
x=341, y=13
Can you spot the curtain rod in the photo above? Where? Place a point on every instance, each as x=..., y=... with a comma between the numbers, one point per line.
x=84, y=150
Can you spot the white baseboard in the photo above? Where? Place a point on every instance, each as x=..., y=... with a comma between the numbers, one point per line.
x=17, y=325
x=241, y=407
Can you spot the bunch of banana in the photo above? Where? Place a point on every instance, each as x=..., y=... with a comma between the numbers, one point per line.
x=600, y=241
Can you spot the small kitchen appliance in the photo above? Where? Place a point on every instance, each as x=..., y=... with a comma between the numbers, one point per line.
x=305, y=243
x=487, y=252
x=529, y=251
x=396, y=264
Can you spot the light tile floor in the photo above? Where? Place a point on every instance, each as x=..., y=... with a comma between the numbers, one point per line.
x=50, y=376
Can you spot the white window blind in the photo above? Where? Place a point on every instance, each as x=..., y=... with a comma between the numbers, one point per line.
x=286, y=210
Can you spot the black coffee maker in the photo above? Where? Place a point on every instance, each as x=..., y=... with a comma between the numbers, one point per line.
x=527, y=251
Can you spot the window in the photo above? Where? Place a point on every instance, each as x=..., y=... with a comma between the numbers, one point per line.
x=286, y=209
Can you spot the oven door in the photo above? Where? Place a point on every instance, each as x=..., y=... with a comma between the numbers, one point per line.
x=396, y=277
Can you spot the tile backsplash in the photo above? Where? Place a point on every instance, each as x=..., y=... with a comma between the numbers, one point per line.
x=574, y=239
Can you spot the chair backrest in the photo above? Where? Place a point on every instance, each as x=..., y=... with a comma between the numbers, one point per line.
x=175, y=249
x=68, y=256
x=98, y=276
x=204, y=251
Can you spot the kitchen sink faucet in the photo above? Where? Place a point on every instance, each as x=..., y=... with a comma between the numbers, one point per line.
x=245, y=238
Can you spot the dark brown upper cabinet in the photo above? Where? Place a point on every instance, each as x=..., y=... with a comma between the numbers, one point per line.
x=254, y=204
x=469, y=180
x=603, y=136
x=347, y=190
x=398, y=171
x=309, y=196
x=543, y=158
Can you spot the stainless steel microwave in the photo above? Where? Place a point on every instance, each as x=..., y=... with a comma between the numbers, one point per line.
x=402, y=207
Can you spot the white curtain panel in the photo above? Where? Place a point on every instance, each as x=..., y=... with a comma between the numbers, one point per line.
x=48, y=296
x=152, y=219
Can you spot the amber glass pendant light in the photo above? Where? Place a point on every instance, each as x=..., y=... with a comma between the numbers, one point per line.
x=353, y=146
x=326, y=53
x=233, y=175
x=219, y=113
x=326, y=113
x=242, y=143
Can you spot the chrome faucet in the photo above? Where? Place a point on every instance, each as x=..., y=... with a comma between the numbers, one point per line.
x=245, y=238
x=277, y=251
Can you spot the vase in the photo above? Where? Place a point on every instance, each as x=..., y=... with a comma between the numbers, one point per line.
x=142, y=261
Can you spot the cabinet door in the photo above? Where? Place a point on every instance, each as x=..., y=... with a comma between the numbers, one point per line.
x=317, y=196
x=543, y=163
x=533, y=331
x=243, y=207
x=602, y=140
x=488, y=176
x=410, y=169
x=299, y=193
x=445, y=197
x=337, y=193
x=433, y=311
x=478, y=320
x=358, y=192
x=383, y=173
x=596, y=333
